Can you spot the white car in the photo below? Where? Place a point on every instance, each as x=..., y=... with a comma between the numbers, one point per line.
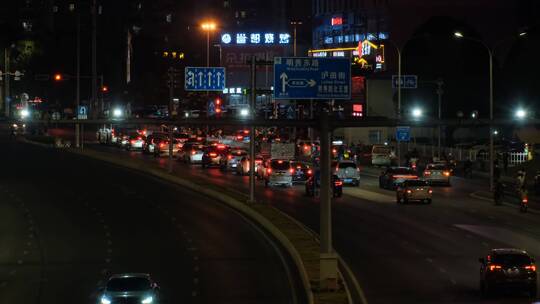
x=278, y=173
x=381, y=155
x=348, y=172
x=232, y=161
x=191, y=153
x=437, y=173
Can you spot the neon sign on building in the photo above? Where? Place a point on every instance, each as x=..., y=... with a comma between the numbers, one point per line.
x=256, y=38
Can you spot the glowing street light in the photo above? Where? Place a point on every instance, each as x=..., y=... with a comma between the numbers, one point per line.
x=521, y=114
x=458, y=34
x=417, y=113
x=208, y=26
x=117, y=113
x=25, y=113
x=244, y=112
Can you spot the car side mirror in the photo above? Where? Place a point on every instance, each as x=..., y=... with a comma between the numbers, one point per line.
x=481, y=260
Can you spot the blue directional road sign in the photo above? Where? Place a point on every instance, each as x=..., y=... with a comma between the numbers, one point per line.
x=312, y=78
x=82, y=112
x=407, y=81
x=403, y=133
x=204, y=79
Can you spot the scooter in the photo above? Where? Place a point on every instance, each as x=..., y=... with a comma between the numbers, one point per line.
x=524, y=203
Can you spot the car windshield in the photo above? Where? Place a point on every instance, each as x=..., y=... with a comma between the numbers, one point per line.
x=346, y=165
x=280, y=164
x=416, y=183
x=128, y=284
x=512, y=259
x=381, y=150
x=436, y=167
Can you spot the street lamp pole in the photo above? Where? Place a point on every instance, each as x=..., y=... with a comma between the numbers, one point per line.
x=207, y=48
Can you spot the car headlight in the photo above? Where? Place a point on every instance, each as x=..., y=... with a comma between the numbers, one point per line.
x=105, y=300
x=147, y=300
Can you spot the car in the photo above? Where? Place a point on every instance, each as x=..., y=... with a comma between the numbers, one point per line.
x=243, y=166
x=135, y=142
x=348, y=172
x=301, y=171
x=191, y=153
x=231, y=162
x=151, y=141
x=161, y=146
x=392, y=176
x=437, y=173
x=381, y=155
x=313, y=184
x=212, y=155
x=413, y=190
x=278, y=173
x=130, y=288
x=507, y=268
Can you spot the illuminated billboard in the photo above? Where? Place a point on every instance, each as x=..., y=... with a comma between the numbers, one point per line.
x=255, y=38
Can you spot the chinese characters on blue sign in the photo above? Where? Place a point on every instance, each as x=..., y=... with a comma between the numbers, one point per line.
x=255, y=38
x=204, y=79
x=312, y=78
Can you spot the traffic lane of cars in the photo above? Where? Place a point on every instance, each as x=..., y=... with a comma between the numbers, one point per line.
x=146, y=238
x=284, y=200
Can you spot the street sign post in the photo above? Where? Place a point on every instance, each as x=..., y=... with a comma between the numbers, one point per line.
x=82, y=112
x=312, y=78
x=403, y=133
x=204, y=79
x=407, y=81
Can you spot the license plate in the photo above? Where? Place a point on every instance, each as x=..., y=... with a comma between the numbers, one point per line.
x=348, y=180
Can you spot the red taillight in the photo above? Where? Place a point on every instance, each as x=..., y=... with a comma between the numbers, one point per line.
x=531, y=267
x=306, y=147
x=239, y=137
x=338, y=183
x=280, y=162
x=309, y=172
x=291, y=170
x=493, y=267
x=193, y=152
x=334, y=151
x=139, y=138
x=229, y=157
x=133, y=141
x=427, y=172
x=213, y=154
x=179, y=145
x=409, y=191
x=446, y=173
x=161, y=145
x=430, y=191
x=269, y=170
x=221, y=147
x=246, y=131
x=525, y=200
x=258, y=161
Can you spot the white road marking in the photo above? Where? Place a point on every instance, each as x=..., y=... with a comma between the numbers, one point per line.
x=429, y=260
x=453, y=282
x=485, y=244
x=194, y=294
x=196, y=269
x=20, y=262
x=195, y=281
x=442, y=270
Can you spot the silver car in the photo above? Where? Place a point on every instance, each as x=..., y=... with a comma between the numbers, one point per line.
x=130, y=288
x=437, y=173
x=348, y=172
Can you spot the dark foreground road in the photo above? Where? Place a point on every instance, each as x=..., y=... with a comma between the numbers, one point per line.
x=67, y=223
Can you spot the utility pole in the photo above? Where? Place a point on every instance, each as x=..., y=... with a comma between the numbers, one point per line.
x=94, y=57
x=78, y=98
x=172, y=73
x=7, y=94
x=252, y=130
x=327, y=258
x=440, y=92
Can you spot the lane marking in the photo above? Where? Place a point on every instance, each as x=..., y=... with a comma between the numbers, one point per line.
x=453, y=282
x=485, y=244
x=442, y=270
x=429, y=260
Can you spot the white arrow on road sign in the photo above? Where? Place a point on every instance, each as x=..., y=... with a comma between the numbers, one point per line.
x=191, y=78
x=209, y=78
x=218, y=77
x=301, y=83
x=200, y=77
x=283, y=78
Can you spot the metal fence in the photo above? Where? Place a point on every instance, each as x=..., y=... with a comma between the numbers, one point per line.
x=459, y=154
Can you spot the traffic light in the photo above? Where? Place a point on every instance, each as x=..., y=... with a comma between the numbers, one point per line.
x=58, y=77
x=218, y=106
x=358, y=110
x=104, y=89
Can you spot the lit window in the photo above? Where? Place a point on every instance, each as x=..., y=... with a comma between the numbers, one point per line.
x=72, y=7
x=243, y=14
